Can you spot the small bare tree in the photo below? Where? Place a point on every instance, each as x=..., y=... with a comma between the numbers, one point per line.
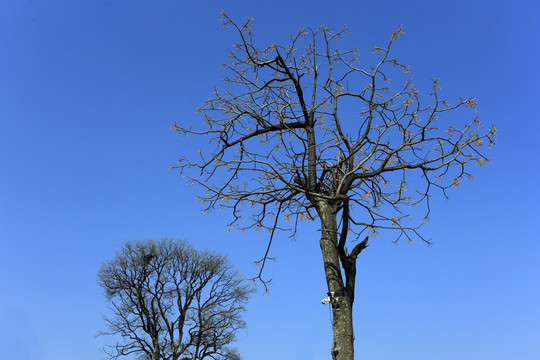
x=301, y=131
x=172, y=302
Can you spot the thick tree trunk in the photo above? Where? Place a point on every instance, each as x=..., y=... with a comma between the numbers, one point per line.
x=156, y=353
x=343, y=342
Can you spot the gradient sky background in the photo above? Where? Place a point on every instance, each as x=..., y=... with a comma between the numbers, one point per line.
x=88, y=91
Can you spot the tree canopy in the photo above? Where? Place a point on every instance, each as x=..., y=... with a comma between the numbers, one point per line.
x=303, y=122
x=171, y=301
x=304, y=131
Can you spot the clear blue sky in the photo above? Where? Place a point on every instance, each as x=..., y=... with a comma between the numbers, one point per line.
x=88, y=91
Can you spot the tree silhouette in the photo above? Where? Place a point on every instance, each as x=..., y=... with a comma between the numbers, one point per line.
x=170, y=301
x=302, y=132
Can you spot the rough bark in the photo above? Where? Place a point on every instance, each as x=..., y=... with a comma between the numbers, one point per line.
x=340, y=296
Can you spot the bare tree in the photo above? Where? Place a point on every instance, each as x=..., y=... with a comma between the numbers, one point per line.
x=309, y=134
x=170, y=301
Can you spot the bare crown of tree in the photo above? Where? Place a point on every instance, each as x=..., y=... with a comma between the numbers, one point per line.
x=302, y=124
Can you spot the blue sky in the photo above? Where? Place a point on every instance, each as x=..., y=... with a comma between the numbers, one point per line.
x=88, y=91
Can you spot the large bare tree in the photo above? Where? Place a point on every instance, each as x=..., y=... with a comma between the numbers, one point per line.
x=302, y=131
x=172, y=302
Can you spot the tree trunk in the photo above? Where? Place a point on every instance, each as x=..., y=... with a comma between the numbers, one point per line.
x=156, y=352
x=343, y=342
